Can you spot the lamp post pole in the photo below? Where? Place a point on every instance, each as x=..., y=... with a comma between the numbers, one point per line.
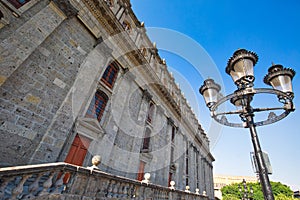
x=240, y=68
x=263, y=173
x=245, y=194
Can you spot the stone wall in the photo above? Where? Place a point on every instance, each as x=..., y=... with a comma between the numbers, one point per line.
x=40, y=60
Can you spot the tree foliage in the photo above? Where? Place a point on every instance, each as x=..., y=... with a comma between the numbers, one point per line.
x=280, y=191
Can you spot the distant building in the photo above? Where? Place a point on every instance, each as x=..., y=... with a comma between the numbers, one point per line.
x=222, y=180
x=297, y=194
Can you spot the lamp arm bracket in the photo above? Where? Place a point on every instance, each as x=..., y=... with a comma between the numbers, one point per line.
x=285, y=98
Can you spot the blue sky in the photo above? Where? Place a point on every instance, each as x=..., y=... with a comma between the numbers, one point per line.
x=271, y=29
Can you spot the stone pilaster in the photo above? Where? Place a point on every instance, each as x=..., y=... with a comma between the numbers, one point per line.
x=70, y=109
x=13, y=52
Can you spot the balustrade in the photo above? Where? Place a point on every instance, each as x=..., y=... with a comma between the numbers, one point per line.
x=65, y=181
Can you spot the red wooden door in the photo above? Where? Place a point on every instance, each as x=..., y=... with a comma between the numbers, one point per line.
x=78, y=150
x=170, y=179
x=140, y=175
x=77, y=153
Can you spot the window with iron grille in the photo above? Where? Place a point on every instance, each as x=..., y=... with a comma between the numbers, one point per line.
x=110, y=75
x=97, y=106
x=146, y=141
x=173, y=133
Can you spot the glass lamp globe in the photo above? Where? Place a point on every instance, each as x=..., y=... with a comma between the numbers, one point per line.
x=240, y=67
x=210, y=91
x=280, y=78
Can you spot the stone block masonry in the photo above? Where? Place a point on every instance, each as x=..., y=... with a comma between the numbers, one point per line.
x=39, y=64
x=16, y=48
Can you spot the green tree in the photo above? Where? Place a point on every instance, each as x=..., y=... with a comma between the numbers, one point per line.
x=283, y=197
x=231, y=197
x=279, y=188
x=281, y=191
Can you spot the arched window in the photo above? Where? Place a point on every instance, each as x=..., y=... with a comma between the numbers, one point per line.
x=110, y=75
x=150, y=112
x=97, y=106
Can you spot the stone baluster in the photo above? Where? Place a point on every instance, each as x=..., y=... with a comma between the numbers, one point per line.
x=110, y=189
x=129, y=191
x=156, y=194
x=4, y=183
x=19, y=189
x=47, y=184
x=104, y=188
x=171, y=195
x=125, y=190
x=33, y=187
x=59, y=183
x=160, y=194
x=116, y=190
x=163, y=194
x=120, y=190
x=141, y=193
x=132, y=191
x=166, y=195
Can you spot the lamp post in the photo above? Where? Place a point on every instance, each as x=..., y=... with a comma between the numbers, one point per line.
x=240, y=68
x=246, y=195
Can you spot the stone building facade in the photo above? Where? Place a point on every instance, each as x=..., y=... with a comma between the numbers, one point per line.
x=80, y=78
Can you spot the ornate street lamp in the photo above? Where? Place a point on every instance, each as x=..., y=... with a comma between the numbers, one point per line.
x=240, y=68
x=246, y=194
